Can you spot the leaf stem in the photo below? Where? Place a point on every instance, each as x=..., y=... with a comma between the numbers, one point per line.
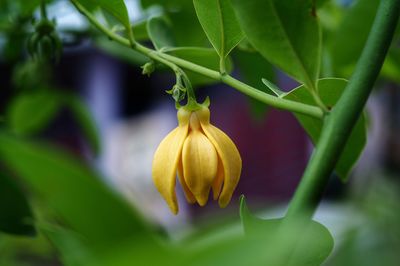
x=339, y=122
x=173, y=62
x=43, y=11
x=222, y=67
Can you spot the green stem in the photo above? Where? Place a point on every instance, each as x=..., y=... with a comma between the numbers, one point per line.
x=222, y=67
x=339, y=123
x=188, y=85
x=43, y=11
x=247, y=89
x=167, y=59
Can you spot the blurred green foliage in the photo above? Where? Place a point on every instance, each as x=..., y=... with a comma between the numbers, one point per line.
x=81, y=221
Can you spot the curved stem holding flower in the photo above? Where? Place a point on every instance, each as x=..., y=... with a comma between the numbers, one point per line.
x=174, y=62
x=339, y=122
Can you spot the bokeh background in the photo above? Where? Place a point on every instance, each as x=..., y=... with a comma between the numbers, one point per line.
x=132, y=113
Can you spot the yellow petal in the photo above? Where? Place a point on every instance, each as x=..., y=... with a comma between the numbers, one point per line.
x=188, y=194
x=199, y=165
x=218, y=181
x=227, y=151
x=166, y=159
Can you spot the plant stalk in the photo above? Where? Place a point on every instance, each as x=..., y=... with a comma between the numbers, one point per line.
x=170, y=61
x=339, y=123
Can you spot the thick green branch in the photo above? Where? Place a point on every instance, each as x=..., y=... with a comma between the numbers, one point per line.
x=339, y=123
x=167, y=59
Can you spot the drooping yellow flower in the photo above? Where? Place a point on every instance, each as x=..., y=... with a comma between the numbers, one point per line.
x=203, y=156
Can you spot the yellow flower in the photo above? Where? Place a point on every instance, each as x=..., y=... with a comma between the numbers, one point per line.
x=203, y=156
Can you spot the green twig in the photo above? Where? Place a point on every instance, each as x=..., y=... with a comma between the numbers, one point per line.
x=339, y=123
x=43, y=11
x=167, y=59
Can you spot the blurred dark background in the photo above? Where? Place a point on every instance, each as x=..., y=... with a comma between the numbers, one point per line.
x=133, y=113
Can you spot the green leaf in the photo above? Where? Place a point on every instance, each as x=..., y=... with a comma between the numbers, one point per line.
x=72, y=248
x=265, y=242
x=252, y=67
x=219, y=23
x=290, y=242
x=391, y=67
x=31, y=112
x=286, y=33
x=160, y=33
x=116, y=8
x=171, y=4
x=355, y=26
x=15, y=213
x=139, y=29
x=273, y=88
x=85, y=119
x=182, y=16
x=75, y=193
x=121, y=52
x=330, y=90
x=202, y=56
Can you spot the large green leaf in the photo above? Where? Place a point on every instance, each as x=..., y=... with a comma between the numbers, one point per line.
x=286, y=33
x=252, y=67
x=15, y=213
x=75, y=194
x=72, y=248
x=202, y=56
x=330, y=90
x=121, y=52
x=291, y=242
x=116, y=8
x=160, y=33
x=85, y=120
x=31, y=112
x=265, y=242
x=355, y=26
x=184, y=23
x=219, y=23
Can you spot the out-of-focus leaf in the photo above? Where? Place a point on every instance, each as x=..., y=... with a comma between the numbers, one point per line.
x=286, y=32
x=31, y=112
x=116, y=8
x=391, y=67
x=202, y=56
x=72, y=248
x=139, y=29
x=160, y=33
x=252, y=68
x=246, y=46
x=186, y=28
x=330, y=90
x=15, y=213
x=171, y=4
x=292, y=242
x=355, y=26
x=121, y=52
x=85, y=120
x=265, y=242
x=76, y=194
x=220, y=25
x=31, y=75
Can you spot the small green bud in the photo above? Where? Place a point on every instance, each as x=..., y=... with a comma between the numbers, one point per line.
x=178, y=93
x=148, y=68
